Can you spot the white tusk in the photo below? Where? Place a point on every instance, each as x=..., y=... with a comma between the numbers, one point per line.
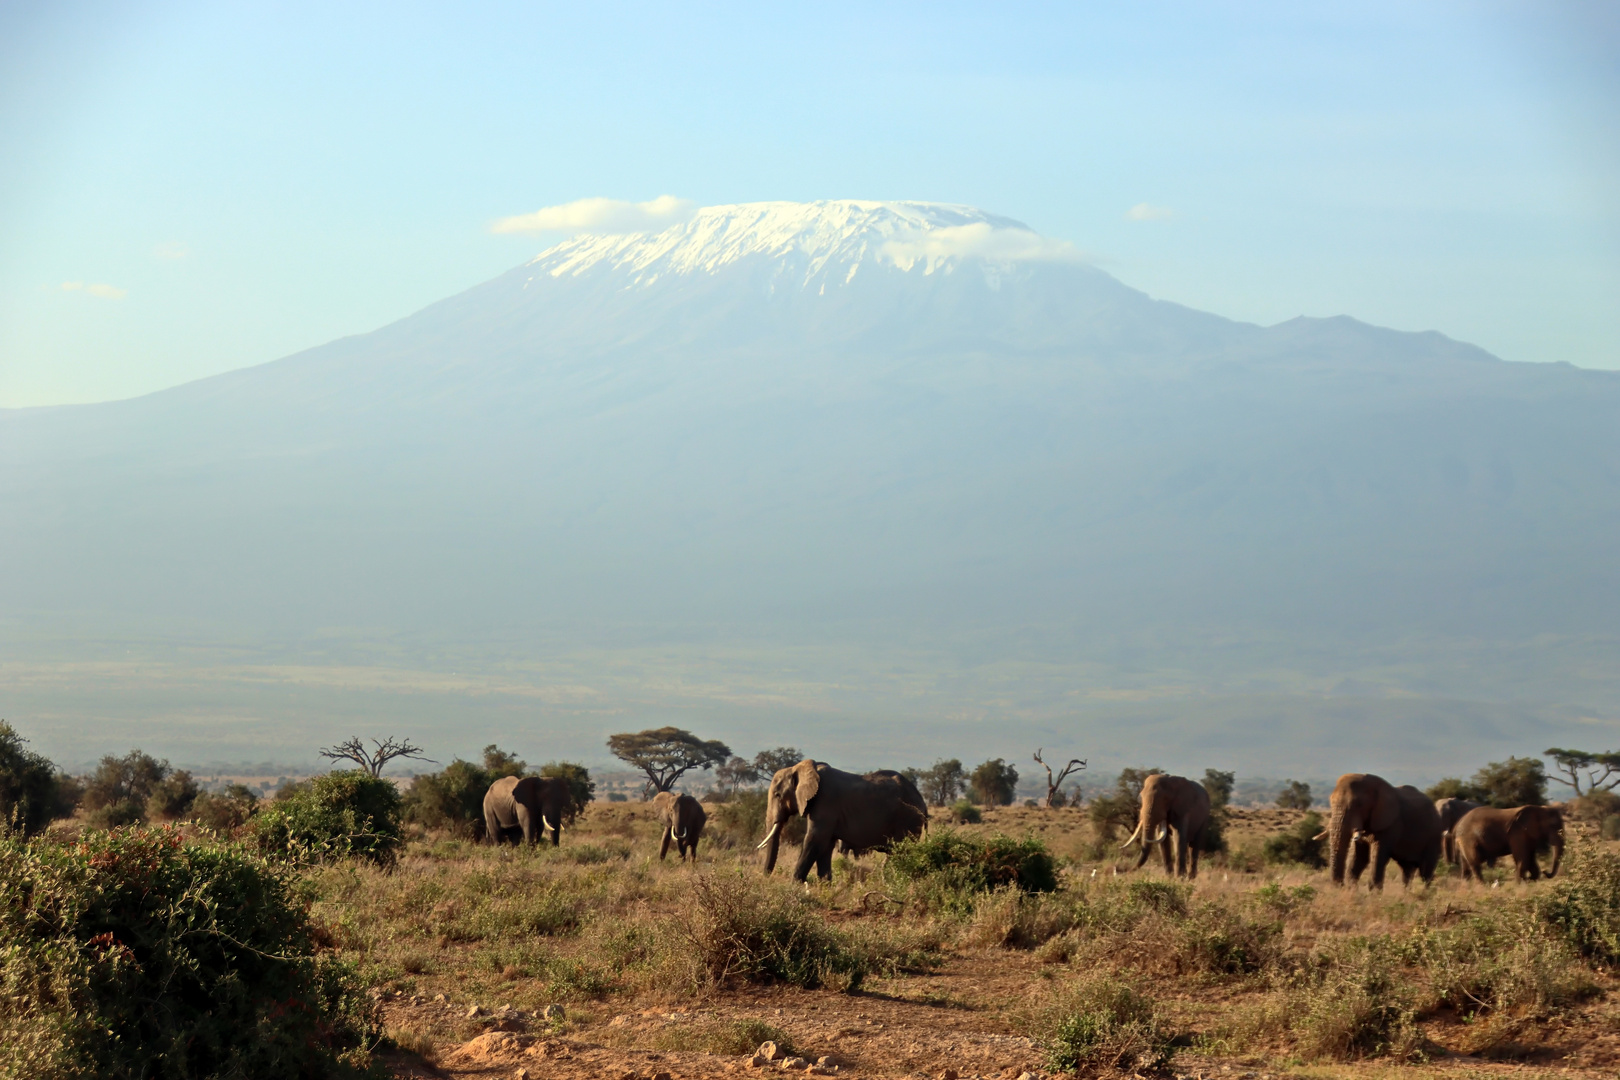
x=1159, y=835
x=768, y=835
x=547, y=824
x=1132, y=840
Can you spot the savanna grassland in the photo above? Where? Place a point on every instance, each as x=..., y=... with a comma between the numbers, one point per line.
x=595, y=959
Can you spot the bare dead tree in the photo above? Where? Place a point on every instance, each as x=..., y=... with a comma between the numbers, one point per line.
x=372, y=761
x=1052, y=784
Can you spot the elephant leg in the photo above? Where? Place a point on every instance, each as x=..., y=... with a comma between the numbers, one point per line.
x=526, y=822
x=1380, y=864
x=492, y=827
x=807, y=857
x=824, y=864
x=1181, y=853
x=1358, y=861
x=1406, y=874
x=1192, y=871
x=1169, y=859
x=663, y=848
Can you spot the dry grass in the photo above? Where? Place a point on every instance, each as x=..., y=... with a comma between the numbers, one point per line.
x=1274, y=967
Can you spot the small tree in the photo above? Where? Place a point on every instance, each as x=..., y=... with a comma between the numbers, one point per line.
x=1455, y=788
x=1295, y=796
x=172, y=797
x=1515, y=782
x=735, y=775
x=118, y=792
x=372, y=761
x=940, y=784
x=1599, y=772
x=499, y=763
x=666, y=754
x=1219, y=785
x=1054, y=785
x=994, y=783
x=29, y=785
x=770, y=762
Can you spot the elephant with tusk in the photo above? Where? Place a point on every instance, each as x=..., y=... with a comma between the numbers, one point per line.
x=858, y=813
x=1171, y=803
x=1385, y=823
x=683, y=818
x=529, y=806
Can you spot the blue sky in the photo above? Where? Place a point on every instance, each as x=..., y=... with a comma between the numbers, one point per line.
x=193, y=187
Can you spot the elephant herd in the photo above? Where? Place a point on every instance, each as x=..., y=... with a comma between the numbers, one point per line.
x=1371, y=822
x=857, y=813
x=1380, y=822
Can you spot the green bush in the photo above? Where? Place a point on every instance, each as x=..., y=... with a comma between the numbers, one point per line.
x=1103, y=1023
x=1610, y=829
x=965, y=813
x=738, y=927
x=133, y=954
x=227, y=810
x=975, y=864
x=341, y=814
x=1582, y=907
x=1298, y=845
x=172, y=797
x=31, y=790
x=1354, y=1002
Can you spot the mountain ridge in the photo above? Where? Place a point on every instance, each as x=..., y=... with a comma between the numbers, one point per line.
x=921, y=451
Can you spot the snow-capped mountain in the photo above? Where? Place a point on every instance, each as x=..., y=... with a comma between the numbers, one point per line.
x=907, y=416
x=809, y=244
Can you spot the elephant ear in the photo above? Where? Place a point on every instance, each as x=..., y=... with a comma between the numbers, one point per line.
x=1386, y=810
x=1523, y=817
x=809, y=782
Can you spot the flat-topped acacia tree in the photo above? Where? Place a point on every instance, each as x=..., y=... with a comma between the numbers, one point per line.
x=665, y=754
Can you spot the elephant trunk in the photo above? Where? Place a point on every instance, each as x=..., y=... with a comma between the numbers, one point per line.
x=771, y=844
x=1339, y=840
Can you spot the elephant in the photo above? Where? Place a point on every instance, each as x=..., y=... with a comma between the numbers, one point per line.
x=1486, y=834
x=1451, y=811
x=1171, y=802
x=531, y=804
x=1387, y=822
x=683, y=818
x=860, y=813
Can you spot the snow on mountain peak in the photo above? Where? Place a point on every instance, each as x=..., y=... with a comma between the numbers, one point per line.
x=826, y=241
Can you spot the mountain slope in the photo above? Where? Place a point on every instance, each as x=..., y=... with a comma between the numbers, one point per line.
x=859, y=415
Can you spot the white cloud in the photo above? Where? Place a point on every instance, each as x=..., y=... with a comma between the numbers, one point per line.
x=979, y=240
x=604, y=216
x=1146, y=212
x=173, y=249
x=97, y=289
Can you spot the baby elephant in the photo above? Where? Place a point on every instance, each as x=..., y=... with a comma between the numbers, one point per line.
x=1486, y=834
x=683, y=819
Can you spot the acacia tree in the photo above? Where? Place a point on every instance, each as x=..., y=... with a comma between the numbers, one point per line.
x=1054, y=783
x=1600, y=772
x=665, y=754
x=372, y=761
